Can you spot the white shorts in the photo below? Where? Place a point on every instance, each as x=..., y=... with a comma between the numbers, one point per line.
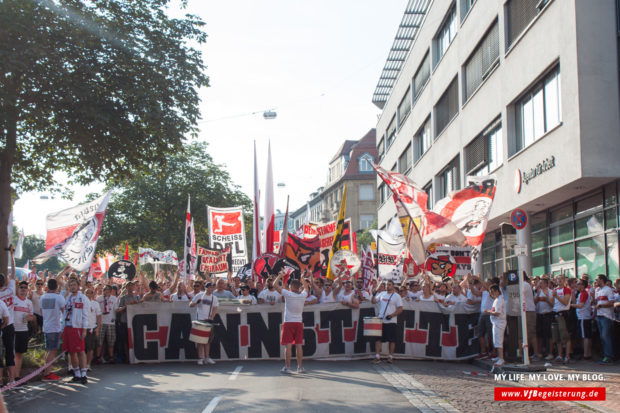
x=498, y=335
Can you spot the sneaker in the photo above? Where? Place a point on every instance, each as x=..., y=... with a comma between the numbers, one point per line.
x=499, y=362
x=559, y=359
x=200, y=362
x=84, y=380
x=535, y=357
x=481, y=356
x=605, y=360
x=390, y=360
x=209, y=360
x=88, y=368
x=285, y=370
x=76, y=379
x=377, y=360
x=549, y=357
x=300, y=370
x=567, y=360
x=494, y=359
x=51, y=377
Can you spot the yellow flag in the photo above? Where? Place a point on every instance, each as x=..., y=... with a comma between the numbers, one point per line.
x=336, y=243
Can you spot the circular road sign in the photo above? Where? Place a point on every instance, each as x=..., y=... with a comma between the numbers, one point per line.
x=518, y=218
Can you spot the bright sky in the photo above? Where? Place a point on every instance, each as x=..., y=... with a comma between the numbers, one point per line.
x=316, y=63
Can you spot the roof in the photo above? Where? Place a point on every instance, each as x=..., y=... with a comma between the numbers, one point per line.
x=344, y=149
x=405, y=35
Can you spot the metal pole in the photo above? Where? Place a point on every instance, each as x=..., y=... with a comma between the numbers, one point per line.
x=525, y=348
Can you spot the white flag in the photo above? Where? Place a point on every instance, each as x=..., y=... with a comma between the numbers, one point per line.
x=20, y=245
x=78, y=248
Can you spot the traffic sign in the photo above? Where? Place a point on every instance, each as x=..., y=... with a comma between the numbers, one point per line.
x=518, y=218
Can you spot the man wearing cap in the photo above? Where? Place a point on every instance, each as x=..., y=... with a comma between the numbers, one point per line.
x=206, y=307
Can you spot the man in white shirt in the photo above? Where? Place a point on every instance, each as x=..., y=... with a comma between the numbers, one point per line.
x=245, y=297
x=52, y=306
x=559, y=332
x=293, y=327
x=498, y=319
x=76, y=324
x=93, y=328
x=269, y=295
x=206, y=304
x=346, y=295
x=455, y=296
x=23, y=314
x=390, y=307
x=108, y=304
x=7, y=295
x=604, y=298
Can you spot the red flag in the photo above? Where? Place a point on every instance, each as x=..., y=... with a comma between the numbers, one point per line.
x=269, y=221
x=126, y=257
x=354, y=240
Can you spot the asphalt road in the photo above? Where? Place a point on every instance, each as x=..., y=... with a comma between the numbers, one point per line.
x=350, y=386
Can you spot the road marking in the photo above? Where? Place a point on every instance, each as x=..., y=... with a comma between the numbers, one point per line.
x=211, y=406
x=235, y=373
x=416, y=393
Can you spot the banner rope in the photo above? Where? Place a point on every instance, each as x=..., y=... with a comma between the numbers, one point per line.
x=31, y=375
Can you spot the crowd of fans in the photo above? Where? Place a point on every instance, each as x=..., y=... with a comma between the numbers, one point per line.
x=566, y=318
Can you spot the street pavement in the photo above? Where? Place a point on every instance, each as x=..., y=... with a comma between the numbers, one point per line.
x=343, y=386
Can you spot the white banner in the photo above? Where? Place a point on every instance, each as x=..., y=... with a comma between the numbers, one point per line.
x=227, y=229
x=159, y=332
x=390, y=259
x=78, y=247
x=149, y=256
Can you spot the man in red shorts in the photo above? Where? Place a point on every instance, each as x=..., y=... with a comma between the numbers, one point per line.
x=293, y=327
x=76, y=321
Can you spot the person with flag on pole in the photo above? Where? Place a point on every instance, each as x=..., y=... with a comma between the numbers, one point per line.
x=337, y=242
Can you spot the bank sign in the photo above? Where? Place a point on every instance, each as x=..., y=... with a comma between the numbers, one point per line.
x=159, y=332
x=528, y=175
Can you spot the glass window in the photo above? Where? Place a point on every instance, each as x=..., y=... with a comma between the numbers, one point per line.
x=382, y=197
x=445, y=35
x=404, y=161
x=611, y=218
x=610, y=195
x=485, y=153
x=538, y=111
x=591, y=256
x=366, y=220
x=447, y=107
x=381, y=148
x=539, y=262
x=562, y=213
x=465, y=7
x=589, y=225
x=448, y=179
x=367, y=192
x=538, y=221
x=365, y=163
x=404, y=107
x=422, y=140
x=519, y=13
x=562, y=254
x=482, y=60
x=590, y=204
x=428, y=188
x=561, y=233
x=391, y=131
x=539, y=239
x=421, y=77
x=613, y=256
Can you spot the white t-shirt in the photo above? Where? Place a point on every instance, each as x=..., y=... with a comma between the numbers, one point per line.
x=327, y=298
x=388, y=303
x=204, y=305
x=429, y=298
x=270, y=296
x=7, y=295
x=542, y=306
x=35, y=303
x=454, y=299
x=293, y=306
x=414, y=296
x=585, y=312
x=248, y=297
x=528, y=297
x=602, y=296
x=108, y=308
x=20, y=311
x=440, y=298
x=561, y=292
x=486, y=302
x=4, y=312
x=310, y=297
x=499, y=306
x=52, y=306
x=94, y=309
x=343, y=296
x=473, y=297
x=175, y=297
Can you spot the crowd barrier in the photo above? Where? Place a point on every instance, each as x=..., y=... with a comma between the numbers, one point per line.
x=159, y=332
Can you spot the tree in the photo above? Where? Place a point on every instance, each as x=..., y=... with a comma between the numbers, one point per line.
x=32, y=247
x=148, y=210
x=365, y=238
x=98, y=89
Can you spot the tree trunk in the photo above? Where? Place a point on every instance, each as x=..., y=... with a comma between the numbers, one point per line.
x=7, y=158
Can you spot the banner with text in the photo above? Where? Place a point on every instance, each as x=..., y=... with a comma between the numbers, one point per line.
x=213, y=261
x=159, y=332
x=227, y=229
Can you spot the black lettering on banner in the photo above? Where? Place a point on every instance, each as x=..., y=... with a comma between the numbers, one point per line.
x=139, y=324
x=361, y=344
x=406, y=319
x=435, y=324
x=309, y=334
x=467, y=344
x=178, y=338
x=227, y=336
x=261, y=335
x=334, y=320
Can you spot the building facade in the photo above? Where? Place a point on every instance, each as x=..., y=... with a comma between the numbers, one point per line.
x=526, y=90
x=351, y=165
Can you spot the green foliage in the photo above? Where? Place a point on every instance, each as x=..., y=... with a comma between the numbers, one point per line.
x=365, y=238
x=148, y=210
x=32, y=247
